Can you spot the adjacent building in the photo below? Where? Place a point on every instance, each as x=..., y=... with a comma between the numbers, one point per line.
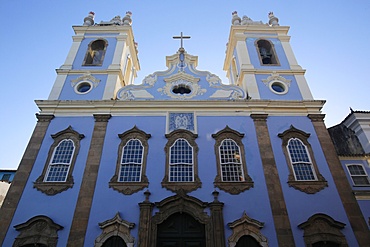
x=181, y=159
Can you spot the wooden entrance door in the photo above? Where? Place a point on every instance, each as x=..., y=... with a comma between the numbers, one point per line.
x=181, y=230
x=247, y=241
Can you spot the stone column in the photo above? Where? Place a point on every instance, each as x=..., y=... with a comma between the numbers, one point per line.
x=217, y=219
x=21, y=176
x=82, y=211
x=278, y=207
x=344, y=189
x=146, y=209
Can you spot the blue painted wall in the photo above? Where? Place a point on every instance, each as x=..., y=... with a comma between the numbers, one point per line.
x=300, y=205
x=107, y=202
x=265, y=93
x=59, y=207
x=96, y=93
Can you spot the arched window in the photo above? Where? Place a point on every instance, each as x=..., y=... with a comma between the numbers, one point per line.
x=358, y=175
x=57, y=174
x=181, y=161
x=266, y=52
x=60, y=162
x=131, y=162
x=232, y=173
x=230, y=161
x=181, y=164
x=95, y=53
x=300, y=160
x=304, y=173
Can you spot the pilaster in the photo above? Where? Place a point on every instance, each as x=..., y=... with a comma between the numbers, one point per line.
x=344, y=189
x=278, y=207
x=146, y=209
x=21, y=176
x=86, y=194
x=217, y=221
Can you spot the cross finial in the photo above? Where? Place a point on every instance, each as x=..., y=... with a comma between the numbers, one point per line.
x=181, y=37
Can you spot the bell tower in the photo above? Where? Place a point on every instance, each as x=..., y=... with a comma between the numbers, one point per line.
x=102, y=59
x=259, y=59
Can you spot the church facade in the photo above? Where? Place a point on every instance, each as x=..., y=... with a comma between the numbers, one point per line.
x=181, y=159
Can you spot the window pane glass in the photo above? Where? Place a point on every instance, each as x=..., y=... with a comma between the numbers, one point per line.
x=303, y=171
x=57, y=173
x=361, y=180
x=181, y=162
x=132, y=157
x=231, y=166
x=297, y=151
x=181, y=152
x=356, y=170
x=63, y=152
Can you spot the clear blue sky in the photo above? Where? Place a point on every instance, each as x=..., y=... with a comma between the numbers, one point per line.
x=329, y=38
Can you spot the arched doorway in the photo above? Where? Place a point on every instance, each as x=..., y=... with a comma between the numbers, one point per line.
x=247, y=241
x=181, y=230
x=114, y=241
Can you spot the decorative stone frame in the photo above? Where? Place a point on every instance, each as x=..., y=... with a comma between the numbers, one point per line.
x=37, y=230
x=272, y=49
x=309, y=187
x=52, y=188
x=129, y=188
x=233, y=188
x=321, y=227
x=115, y=227
x=89, y=51
x=245, y=226
x=184, y=186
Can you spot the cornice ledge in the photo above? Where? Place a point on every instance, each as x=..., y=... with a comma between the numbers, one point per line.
x=268, y=71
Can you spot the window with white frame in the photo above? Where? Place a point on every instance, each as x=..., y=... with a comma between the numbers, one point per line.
x=231, y=164
x=181, y=167
x=129, y=176
x=300, y=160
x=131, y=162
x=232, y=174
x=304, y=173
x=358, y=174
x=57, y=173
x=181, y=171
x=60, y=162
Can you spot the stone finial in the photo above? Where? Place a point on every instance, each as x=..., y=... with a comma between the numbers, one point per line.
x=89, y=19
x=236, y=19
x=246, y=20
x=127, y=19
x=116, y=20
x=273, y=21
